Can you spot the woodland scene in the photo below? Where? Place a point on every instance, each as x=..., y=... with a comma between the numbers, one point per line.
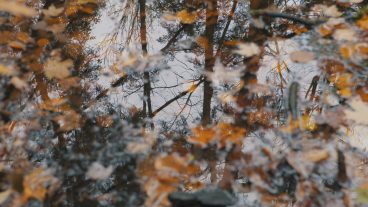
x=183, y=103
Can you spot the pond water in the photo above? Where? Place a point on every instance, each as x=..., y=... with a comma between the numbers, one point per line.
x=124, y=102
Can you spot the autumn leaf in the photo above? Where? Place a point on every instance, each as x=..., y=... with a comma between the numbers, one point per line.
x=5, y=195
x=247, y=49
x=70, y=120
x=358, y=113
x=6, y=70
x=187, y=17
x=330, y=11
x=223, y=133
x=19, y=83
x=56, y=68
x=81, y=2
x=105, y=121
x=345, y=35
x=36, y=184
x=17, y=8
x=98, y=172
x=202, y=42
x=363, y=22
x=362, y=192
x=316, y=155
x=52, y=11
x=301, y=56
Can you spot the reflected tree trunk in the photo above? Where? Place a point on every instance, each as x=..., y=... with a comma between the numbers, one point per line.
x=211, y=22
x=244, y=97
x=147, y=105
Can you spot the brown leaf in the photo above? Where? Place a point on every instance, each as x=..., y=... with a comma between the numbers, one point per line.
x=17, y=8
x=317, y=155
x=69, y=121
x=56, y=68
x=302, y=56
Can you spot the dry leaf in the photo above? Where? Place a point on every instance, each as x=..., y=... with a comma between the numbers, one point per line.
x=317, y=155
x=98, y=172
x=5, y=195
x=36, y=184
x=17, y=8
x=247, y=49
x=105, y=121
x=186, y=17
x=68, y=83
x=350, y=1
x=345, y=35
x=363, y=22
x=5, y=70
x=332, y=11
x=19, y=83
x=359, y=112
x=69, y=121
x=138, y=148
x=52, y=11
x=301, y=56
x=56, y=68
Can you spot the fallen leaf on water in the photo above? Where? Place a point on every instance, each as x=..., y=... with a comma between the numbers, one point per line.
x=317, y=155
x=332, y=11
x=363, y=22
x=359, y=111
x=5, y=70
x=16, y=8
x=301, y=56
x=362, y=193
x=5, y=195
x=187, y=17
x=105, y=121
x=56, y=68
x=247, y=49
x=19, y=83
x=70, y=120
x=350, y=1
x=345, y=35
x=52, y=11
x=36, y=184
x=137, y=147
x=98, y=172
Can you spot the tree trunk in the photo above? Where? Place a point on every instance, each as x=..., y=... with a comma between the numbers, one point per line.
x=211, y=21
x=146, y=76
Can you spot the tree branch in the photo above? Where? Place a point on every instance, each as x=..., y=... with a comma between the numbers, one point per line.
x=306, y=22
x=177, y=97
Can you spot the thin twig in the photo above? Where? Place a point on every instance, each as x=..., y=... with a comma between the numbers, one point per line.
x=306, y=22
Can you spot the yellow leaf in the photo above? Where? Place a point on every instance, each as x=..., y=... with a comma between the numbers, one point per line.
x=307, y=123
x=325, y=30
x=187, y=17
x=4, y=195
x=202, y=42
x=16, y=8
x=52, y=11
x=69, y=121
x=317, y=155
x=4, y=70
x=363, y=22
x=301, y=56
x=192, y=88
x=36, y=184
x=56, y=68
x=248, y=49
x=19, y=83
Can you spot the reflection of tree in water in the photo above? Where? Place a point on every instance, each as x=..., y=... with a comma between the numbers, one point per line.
x=55, y=115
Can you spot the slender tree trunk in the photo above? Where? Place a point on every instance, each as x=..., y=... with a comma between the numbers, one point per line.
x=211, y=21
x=244, y=96
x=146, y=76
